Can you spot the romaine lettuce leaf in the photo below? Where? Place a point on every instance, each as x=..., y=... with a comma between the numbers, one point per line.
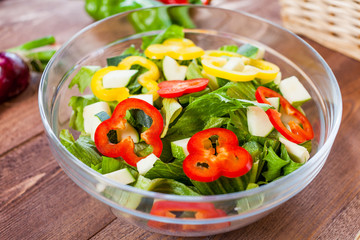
x=111, y=164
x=187, y=98
x=173, y=31
x=134, y=86
x=78, y=103
x=222, y=185
x=222, y=81
x=83, y=78
x=214, y=104
x=142, y=149
x=164, y=185
x=274, y=165
x=251, y=202
x=229, y=48
x=193, y=70
x=248, y=50
x=83, y=148
x=130, y=51
x=216, y=122
x=239, y=120
x=255, y=150
x=307, y=145
x=292, y=166
x=173, y=170
x=244, y=90
x=138, y=119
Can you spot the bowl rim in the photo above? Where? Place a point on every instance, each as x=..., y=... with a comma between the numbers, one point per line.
x=336, y=121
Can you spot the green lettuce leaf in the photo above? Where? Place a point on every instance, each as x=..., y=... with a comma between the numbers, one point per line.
x=173, y=170
x=134, y=86
x=187, y=98
x=214, y=104
x=222, y=185
x=255, y=150
x=171, y=109
x=130, y=51
x=239, y=120
x=111, y=164
x=78, y=103
x=216, y=122
x=229, y=48
x=244, y=90
x=83, y=148
x=248, y=50
x=274, y=165
x=97, y=167
x=164, y=185
x=307, y=145
x=83, y=78
x=292, y=166
x=142, y=149
x=173, y=31
x=193, y=70
x=251, y=202
x=222, y=81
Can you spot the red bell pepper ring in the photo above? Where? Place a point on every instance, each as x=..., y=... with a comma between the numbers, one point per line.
x=207, y=161
x=296, y=134
x=177, y=88
x=125, y=148
x=201, y=210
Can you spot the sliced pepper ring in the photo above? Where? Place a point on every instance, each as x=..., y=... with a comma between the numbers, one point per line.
x=296, y=134
x=125, y=148
x=107, y=94
x=219, y=53
x=202, y=211
x=177, y=88
x=147, y=79
x=180, y=49
x=208, y=159
x=213, y=61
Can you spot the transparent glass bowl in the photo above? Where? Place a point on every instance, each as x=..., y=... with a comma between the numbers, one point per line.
x=214, y=27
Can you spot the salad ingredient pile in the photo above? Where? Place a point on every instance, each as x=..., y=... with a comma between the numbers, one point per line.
x=179, y=119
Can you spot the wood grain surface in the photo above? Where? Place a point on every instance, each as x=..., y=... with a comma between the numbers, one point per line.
x=38, y=201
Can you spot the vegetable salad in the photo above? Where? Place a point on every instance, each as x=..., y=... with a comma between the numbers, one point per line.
x=175, y=118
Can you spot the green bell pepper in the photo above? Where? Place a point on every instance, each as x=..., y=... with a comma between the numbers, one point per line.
x=99, y=9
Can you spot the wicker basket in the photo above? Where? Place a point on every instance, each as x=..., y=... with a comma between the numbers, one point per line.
x=332, y=23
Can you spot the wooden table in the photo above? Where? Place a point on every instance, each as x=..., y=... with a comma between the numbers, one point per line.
x=38, y=201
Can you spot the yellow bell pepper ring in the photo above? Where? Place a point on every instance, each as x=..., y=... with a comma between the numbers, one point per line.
x=107, y=94
x=181, y=42
x=147, y=79
x=253, y=69
x=268, y=70
x=180, y=49
x=219, y=53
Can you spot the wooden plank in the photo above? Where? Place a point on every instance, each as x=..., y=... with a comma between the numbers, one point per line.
x=120, y=229
x=20, y=119
x=38, y=201
x=263, y=8
x=346, y=225
x=28, y=20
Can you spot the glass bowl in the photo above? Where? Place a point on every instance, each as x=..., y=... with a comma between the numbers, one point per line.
x=210, y=28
